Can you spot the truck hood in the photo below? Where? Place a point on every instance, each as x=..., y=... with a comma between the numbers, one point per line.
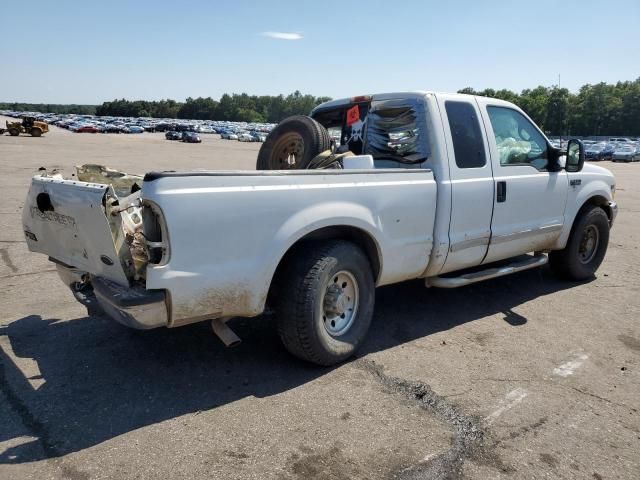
x=596, y=170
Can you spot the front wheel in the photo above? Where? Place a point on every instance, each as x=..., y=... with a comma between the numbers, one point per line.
x=586, y=247
x=324, y=301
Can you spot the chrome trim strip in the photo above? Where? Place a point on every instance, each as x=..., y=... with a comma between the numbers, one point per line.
x=497, y=239
x=469, y=243
x=297, y=186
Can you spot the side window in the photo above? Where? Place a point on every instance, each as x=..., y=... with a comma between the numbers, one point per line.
x=518, y=141
x=466, y=135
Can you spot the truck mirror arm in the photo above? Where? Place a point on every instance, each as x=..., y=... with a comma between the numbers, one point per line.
x=554, y=159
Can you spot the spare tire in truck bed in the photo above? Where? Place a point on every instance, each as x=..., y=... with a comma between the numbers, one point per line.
x=292, y=144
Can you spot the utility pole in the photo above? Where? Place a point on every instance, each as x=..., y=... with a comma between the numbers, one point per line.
x=563, y=119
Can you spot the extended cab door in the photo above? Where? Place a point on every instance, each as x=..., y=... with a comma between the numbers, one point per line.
x=472, y=187
x=529, y=200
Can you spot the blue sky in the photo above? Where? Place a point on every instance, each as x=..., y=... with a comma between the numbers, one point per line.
x=90, y=52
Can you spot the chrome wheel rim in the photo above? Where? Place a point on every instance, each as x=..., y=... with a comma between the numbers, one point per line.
x=340, y=303
x=589, y=244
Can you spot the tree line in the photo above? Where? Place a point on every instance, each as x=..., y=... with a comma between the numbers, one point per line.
x=600, y=109
x=49, y=108
x=235, y=107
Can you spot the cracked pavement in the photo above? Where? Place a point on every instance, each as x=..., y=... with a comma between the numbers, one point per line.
x=519, y=377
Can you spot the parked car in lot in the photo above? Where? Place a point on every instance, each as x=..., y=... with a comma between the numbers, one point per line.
x=625, y=152
x=438, y=184
x=599, y=151
x=228, y=135
x=245, y=137
x=191, y=137
x=133, y=129
x=110, y=128
x=173, y=135
x=86, y=129
x=258, y=136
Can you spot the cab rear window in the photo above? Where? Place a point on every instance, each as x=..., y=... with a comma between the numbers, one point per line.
x=396, y=130
x=389, y=130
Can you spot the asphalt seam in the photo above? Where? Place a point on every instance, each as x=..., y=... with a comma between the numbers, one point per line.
x=468, y=435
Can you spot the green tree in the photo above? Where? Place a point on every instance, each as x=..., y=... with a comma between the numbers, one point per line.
x=557, y=110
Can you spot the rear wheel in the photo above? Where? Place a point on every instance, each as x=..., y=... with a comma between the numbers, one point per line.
x=586, y=247
x=293, y=144
x=14, y=132
x=324, y=301
x=36, y=132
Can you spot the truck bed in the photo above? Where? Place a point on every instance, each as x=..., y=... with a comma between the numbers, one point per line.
x=223, y=233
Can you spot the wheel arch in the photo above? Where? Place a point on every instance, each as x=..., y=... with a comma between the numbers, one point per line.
x=598, y=199
x=356, y=235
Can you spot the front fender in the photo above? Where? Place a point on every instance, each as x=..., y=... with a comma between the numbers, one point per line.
x=597, y=189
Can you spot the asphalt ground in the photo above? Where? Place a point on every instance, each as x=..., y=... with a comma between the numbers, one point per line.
x=520, y=377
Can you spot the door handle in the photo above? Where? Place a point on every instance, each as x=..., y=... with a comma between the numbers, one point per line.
x=501, y=192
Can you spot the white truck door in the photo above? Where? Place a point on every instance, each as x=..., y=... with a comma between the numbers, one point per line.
x=529, y=201
x=472, y=186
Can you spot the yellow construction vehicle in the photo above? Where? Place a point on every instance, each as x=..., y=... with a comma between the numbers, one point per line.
x=28, y=125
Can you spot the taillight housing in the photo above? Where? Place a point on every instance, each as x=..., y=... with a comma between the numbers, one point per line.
x=155, y=233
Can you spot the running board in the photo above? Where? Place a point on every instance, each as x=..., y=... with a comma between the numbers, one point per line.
x=469, y=278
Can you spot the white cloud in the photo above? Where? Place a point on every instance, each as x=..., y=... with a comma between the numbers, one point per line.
x=282, y=35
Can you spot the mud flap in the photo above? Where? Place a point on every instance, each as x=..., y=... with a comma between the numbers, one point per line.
x=66, y=220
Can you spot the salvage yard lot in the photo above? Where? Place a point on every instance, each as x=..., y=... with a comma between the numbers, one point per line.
x=520, y=377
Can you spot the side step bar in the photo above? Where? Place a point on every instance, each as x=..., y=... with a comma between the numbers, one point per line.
x=469, y=278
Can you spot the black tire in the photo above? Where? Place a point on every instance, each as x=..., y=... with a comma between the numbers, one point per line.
x=301, y=308
x=299, y=138
x=14, y=132
x=578, y=261
x=36, y=132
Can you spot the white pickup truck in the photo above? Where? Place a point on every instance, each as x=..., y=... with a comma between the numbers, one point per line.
x=450, y=188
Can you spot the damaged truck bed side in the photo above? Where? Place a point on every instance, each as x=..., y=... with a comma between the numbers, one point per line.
x=458, y=189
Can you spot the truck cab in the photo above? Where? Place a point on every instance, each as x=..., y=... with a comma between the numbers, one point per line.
x=503, y=189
